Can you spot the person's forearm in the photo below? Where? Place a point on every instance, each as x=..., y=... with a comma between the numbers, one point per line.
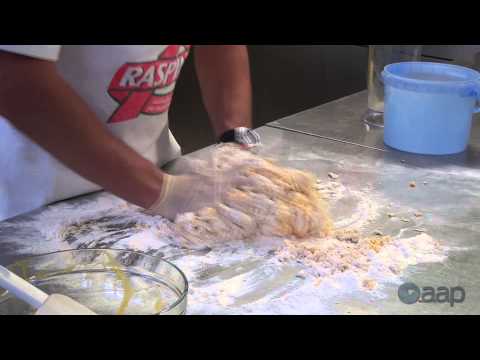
x=41, y=105
x=224, y=76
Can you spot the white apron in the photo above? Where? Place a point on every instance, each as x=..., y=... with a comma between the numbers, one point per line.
x=129, y=87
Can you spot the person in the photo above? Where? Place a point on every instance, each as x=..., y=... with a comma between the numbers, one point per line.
x=80, y=118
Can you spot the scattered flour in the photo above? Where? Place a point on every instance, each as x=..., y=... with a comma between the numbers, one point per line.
x=388, y=257
x=268, y=275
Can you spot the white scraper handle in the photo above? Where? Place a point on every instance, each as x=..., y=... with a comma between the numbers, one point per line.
x=21, y=289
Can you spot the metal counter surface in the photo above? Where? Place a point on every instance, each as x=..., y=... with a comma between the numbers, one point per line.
x=342, y=120
x=450, y=203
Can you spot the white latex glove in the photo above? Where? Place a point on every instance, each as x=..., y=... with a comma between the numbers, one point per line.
x=189, y=193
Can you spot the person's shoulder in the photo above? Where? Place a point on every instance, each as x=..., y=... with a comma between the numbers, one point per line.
x=44, y=52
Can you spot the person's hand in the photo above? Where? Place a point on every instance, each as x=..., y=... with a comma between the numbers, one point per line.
x=189, y=193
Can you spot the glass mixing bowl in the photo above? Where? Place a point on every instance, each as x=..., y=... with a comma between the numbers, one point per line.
x=109, y=282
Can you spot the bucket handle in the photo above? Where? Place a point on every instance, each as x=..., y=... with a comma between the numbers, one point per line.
x=476, y=109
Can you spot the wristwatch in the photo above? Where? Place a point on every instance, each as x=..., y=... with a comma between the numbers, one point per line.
x=242, y=136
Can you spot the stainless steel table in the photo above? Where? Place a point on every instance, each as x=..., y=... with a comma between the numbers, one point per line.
x=330, y=138
x=339, y=120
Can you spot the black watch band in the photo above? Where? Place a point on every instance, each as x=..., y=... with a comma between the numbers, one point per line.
x=242, y=135
x=228, y=136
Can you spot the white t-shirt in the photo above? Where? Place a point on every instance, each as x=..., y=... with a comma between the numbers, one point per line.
x=130, y=89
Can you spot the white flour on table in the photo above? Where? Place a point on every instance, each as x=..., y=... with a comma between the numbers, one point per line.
x=239, y=278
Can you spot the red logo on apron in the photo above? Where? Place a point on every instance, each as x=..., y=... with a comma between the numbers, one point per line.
x=147, y=88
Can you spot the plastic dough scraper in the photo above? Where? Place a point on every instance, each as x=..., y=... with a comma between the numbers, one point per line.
x=45, y=304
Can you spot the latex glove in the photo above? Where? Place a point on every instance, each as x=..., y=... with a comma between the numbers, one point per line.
x=188, y=166
x=207, y=161
x=189, y=193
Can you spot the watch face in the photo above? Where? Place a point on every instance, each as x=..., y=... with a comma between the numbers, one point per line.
x=247, y=137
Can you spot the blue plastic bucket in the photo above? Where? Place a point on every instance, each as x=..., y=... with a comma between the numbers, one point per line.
x=429, y=107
